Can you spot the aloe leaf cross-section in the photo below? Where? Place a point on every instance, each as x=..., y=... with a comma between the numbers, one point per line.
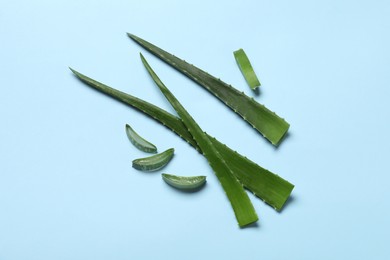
x=270, y=125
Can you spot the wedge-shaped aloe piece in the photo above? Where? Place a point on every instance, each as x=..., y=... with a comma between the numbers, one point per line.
x=270, y=125
x=242, y=206
x=246, y=69
x=154, y=162
x=139, y=142
x=266, y=185
x=184, y=182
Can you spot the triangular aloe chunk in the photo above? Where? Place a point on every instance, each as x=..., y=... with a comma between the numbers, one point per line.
x=242, y=206
x=266, y=185
x=270, y=125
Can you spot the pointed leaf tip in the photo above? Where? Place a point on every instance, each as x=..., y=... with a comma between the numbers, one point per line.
x=75, y=72
x=132, y=36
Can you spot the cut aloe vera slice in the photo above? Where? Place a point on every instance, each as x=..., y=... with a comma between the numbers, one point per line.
x=246, y=69
x=241, y=204
x=139, y=142
x=270, y=125
x=269, y=187
x=154, y=162
x=184, y=182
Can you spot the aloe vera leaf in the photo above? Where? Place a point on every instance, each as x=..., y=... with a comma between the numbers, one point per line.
x=246, y=69
x=139, y=142
x=270, y=125
x=184, y=182
x=241, y=204
x=266, y=185
x=158, y=114
x=154, y=162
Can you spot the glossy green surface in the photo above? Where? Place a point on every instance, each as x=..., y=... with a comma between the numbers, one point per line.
x=246, y=69
x=184, y=182
x=239, y=200
x=154, y=162
x=270, y=125
x=266, y=185
x=139, y=142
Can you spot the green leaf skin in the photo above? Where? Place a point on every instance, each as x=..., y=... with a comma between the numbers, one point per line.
x=246, y=69
x=241, y=204
x=270, y=125
x=139, y=142
x=154, y=162
x=183, y=182
x=266, y=185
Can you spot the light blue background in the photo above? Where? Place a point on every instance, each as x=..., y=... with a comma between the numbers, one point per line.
x=67, y=189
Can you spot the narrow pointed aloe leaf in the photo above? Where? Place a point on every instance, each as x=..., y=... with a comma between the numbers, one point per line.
x=270, y=125
x=266, y=185
x=246, y=69
x=149, y=109
x=242, y=206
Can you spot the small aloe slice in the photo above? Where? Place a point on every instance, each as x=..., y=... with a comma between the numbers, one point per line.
x=246, y=69
x=266, y=185
x=183, y=182
x=139, y=142
x=154, y=162
x=242, y=206
x=270, y=125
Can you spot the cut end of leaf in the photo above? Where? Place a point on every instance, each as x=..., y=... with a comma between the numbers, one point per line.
x=277, y=138
x=249, y=223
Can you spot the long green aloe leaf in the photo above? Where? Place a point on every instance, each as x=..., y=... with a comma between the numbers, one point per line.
x=266, y=185
x=270, y=125
x=242, y=206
